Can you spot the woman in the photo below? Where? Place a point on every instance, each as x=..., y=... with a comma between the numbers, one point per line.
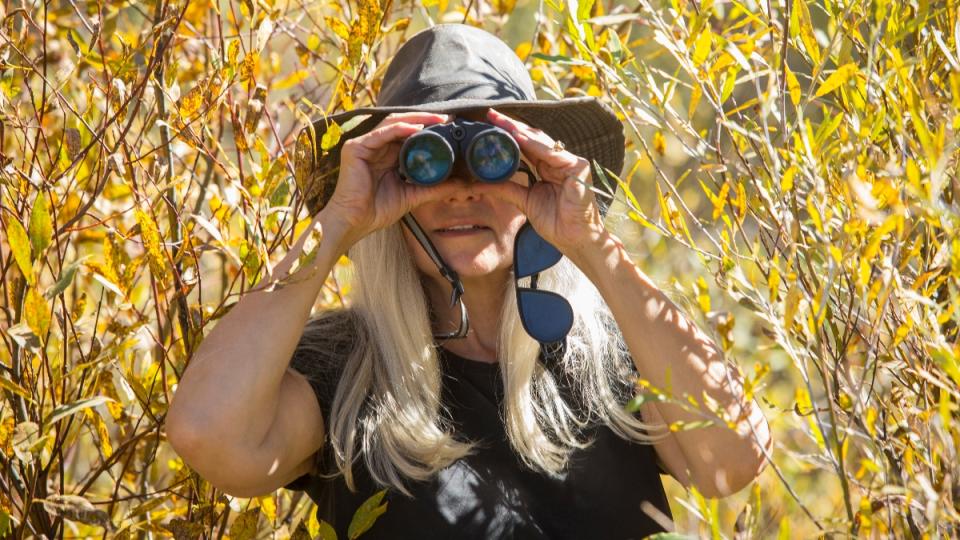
x=490, y=435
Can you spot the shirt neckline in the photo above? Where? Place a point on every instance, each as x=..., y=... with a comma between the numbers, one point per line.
x=467, y=362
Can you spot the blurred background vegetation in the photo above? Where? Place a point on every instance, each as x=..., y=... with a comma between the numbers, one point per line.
x=791, y=179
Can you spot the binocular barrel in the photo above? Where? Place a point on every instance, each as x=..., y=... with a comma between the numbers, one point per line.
x=431, y=155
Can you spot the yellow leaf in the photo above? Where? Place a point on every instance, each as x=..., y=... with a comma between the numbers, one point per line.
x=191, y=102
x=842, y=74
x=786, y=184
x=701, y=47
x=339, y=27
x=20, y=245
x=36, y=312
x=269, y=508
x=836, y=254
x=103, y=435
x=659, y=143
x=695, y=94
x=331, y=137
x=790, y=305
x=583, y=72
x=151, y=241
x=248, y=66
x=503, y=7
x=523, y=49
x=773, y=283
x=233, y=52
x=793, y=86
x=703, y=295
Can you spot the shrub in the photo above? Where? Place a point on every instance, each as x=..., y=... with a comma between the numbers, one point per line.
x=791, y=174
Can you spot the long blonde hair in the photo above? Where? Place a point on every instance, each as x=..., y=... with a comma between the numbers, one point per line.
x=387, y=405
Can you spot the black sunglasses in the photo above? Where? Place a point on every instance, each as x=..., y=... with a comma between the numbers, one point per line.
x=545, y=315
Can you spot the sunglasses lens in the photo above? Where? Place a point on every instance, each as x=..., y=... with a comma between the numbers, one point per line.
x=546, y=316
x=533, y=253
x=493, y=156
x=427, y=158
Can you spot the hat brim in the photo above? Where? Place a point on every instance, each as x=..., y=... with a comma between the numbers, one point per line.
x=587, y=127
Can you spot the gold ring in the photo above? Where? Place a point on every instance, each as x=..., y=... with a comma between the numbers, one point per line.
x=558, y=146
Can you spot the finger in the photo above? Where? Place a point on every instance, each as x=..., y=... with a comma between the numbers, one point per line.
x=579, y=172
x=510, y=192
x=414, y=117
x=533, y=142
x=379, y=137
x=417, y=195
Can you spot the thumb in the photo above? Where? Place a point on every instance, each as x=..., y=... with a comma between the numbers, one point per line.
x=417, y=195
x=510, y=192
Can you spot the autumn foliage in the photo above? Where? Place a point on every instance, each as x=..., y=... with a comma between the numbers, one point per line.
x=791, y=178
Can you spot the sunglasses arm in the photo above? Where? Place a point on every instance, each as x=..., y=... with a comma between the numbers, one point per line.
x=456, y=296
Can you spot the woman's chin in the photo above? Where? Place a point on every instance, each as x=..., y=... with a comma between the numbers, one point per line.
x=473, y=267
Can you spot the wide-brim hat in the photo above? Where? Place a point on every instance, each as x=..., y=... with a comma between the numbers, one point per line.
x=451, y=68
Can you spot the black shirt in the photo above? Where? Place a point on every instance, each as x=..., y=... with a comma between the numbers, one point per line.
x=607, y=492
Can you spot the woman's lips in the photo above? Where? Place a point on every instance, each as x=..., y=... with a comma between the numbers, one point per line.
x=458, y=233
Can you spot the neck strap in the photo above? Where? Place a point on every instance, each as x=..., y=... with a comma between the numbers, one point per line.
x=448, y=273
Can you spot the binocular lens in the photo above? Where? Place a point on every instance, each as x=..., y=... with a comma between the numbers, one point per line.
x=428, y=158
x=494, y=156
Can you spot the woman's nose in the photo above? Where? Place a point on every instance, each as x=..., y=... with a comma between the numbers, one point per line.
x=463, y=188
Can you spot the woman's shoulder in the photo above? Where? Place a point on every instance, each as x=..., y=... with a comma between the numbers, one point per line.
x=323, y=349
x=327, y=340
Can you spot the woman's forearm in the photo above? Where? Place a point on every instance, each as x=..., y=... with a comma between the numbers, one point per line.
x=661, y=340
x=228, y=394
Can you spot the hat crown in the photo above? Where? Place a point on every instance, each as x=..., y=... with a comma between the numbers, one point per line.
x=451, y=62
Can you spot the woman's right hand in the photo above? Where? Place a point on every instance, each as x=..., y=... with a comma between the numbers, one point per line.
x=370, y=194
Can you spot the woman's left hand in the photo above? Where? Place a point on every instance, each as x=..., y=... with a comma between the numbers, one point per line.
x=561, y=206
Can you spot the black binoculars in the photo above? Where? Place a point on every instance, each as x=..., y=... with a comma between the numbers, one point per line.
x=429, y=156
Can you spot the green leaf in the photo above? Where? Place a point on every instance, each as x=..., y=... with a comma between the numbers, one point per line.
x=367, y=514
x=326, y=531
x=20, y=245
x=65, y=280
x=634, y=404
x=7, y=384
x=68, y=409
x=41, y=229
x=76, y=508
x=6, y=525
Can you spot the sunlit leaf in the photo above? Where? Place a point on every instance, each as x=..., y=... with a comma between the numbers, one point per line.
x=331, y=137
x=244, y=526
x=842, y=74
x=36, y=311
x=367, y=515
x=151, y=241
x=68, y=409
x=20, y=245
x=75, y=508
